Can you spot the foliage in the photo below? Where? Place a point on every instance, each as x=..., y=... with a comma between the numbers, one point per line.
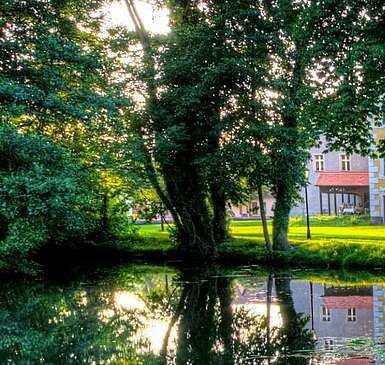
x=332, y=221
x=45, y=197
x=71, y=326
x=242, y=90
x=314, y=82
x=57, y=78
x=62, y=77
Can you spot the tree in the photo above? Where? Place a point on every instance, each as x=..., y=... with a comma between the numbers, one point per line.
x=57, y=78
x=266, y=76
x=181, y=124
x=315, y=75
x=61, y=77
x=45, y=198
x=318, y=85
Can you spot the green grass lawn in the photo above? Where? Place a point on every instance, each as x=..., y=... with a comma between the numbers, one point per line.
x=345, y=241
x=321, y=231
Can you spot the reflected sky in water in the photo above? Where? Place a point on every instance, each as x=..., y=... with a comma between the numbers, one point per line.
x=141, y=314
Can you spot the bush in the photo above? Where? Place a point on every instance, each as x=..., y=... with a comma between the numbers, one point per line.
x=45, y=197
x=331, y=220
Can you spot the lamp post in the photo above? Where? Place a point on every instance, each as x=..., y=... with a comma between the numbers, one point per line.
x=308, y=235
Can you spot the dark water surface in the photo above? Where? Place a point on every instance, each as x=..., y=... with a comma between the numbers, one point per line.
x=138, y=314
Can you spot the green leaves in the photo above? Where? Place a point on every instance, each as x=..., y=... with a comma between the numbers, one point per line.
x=59, y=77
x=44, y=197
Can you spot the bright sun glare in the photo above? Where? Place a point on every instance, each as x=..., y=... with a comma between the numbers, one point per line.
x=155, y=20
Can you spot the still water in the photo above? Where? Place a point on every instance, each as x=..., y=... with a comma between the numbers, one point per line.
x=140, y=314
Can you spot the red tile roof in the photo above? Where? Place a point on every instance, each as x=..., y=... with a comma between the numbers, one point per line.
x=345, y=178
x=351, y=301
x=356, y=361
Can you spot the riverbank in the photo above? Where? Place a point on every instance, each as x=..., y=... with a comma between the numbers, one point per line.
x=347, y=242
x=336, y=242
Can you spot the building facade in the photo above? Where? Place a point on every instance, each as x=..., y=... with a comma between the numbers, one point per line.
x=337, y=184
x=348, y=322
x=377, y=182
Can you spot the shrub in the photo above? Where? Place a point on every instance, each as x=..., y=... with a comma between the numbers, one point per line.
x=45, y=197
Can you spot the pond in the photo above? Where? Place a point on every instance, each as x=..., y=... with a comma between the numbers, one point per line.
x=141, y=314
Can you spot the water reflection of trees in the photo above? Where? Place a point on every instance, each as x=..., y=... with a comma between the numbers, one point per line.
x=81, y=323
x=68, y=326
x=211, y=331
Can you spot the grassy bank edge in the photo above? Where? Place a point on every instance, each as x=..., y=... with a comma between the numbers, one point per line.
x=337, y=242
x=333, y=254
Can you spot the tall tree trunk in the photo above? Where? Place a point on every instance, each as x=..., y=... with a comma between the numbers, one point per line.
x=283, y=198
x=195, y=235
x=269, y=289
x=298, y=339
x=104, y=213
x=226, y=323
x=196, y=332
x=264, y=221
x=220, y=215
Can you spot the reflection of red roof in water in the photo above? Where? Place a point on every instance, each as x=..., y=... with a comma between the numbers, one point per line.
x=362, y=361
x=351, y=178
x=353, y=301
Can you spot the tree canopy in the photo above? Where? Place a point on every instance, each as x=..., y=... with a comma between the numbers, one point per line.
x=45, y=198
x=243, y=90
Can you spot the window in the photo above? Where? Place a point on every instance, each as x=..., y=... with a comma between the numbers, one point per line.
x=319, y=163
x=352, y=316
x=326, y=316
x=345, y=162
x=329, y=344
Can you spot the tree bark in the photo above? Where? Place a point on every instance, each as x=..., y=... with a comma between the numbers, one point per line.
x=264, y=221
x=195, y=235
x=281, y=217
x=220, y=215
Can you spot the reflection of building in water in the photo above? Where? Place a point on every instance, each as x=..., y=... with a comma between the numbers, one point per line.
x=337, y=315
x=379, y=312
x=339, y=312
x=379, y=317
